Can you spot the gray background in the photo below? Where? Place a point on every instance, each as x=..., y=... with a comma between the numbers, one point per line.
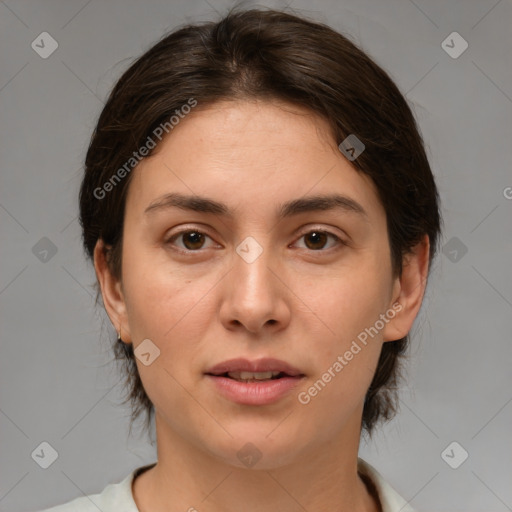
x=57, y=382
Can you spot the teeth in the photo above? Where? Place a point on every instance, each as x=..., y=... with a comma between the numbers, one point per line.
x=248, y=376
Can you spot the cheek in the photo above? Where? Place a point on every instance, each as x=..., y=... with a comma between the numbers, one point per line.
x=159, y=297
x=348, y=301
x=166, y=308
x=346, y=355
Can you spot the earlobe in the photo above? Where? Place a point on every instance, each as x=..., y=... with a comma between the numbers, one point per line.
x=111, y=291
x=410, y=288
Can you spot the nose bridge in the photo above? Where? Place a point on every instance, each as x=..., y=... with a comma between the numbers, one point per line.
x=251, y=272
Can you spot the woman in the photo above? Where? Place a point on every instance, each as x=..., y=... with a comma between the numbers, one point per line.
x=261, y=216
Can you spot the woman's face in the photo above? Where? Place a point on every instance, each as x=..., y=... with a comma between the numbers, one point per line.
x=271, y=276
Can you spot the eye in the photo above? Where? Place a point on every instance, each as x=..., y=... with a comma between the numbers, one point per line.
x=316, y=239
x=192, y=239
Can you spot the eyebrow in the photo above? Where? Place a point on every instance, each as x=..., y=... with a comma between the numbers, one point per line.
x=301, y=205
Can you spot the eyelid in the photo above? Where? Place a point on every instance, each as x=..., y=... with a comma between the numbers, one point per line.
x=323, y=228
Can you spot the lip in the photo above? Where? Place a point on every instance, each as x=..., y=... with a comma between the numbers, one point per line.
x=265, y=364
x=254, y=393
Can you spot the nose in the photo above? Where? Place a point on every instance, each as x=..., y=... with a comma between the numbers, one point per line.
x=254, y=298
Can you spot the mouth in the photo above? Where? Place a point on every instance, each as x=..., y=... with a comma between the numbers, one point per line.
x=252, y=376
x=257, y=370
x=259, y=382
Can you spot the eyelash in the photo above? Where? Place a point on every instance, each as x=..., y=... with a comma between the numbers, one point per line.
x=175, y=236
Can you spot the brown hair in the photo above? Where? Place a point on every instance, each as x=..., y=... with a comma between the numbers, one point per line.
x=266, y=54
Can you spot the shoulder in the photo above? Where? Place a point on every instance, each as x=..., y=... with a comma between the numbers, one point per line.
x=114, y=497
x=389, y=498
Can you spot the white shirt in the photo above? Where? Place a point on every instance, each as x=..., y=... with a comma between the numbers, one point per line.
x=118, y=497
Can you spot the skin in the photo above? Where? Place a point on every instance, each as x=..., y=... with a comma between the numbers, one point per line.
x=303, y=300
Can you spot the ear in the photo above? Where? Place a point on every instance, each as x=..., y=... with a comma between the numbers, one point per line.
x=112, y=292
x=408, y=291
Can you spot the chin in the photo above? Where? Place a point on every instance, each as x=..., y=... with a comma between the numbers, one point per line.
x=256, y=448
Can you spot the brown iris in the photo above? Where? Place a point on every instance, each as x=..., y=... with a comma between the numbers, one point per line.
x=318, y=238
x=193, y=240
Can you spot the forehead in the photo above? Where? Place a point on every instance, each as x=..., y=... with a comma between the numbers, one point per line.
x=250, y=153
